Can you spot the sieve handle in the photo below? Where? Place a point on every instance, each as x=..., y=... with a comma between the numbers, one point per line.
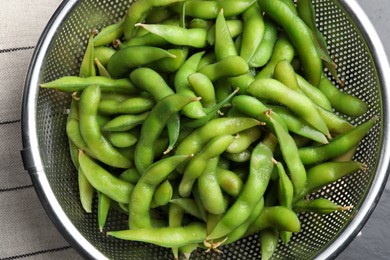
x=29, y=158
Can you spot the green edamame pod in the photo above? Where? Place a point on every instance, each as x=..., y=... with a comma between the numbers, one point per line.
x=194, y=142
x=73, y=148
x=152, y=82
x=87, y=67
x=234, y=26
x=314, y=93
x=209, y=9
x=182, y=86
x=125, y=122
x=298, y=126
x=299, y=34
x=240, y=157
x=306, y=11
x=240, y=231
x=91, y=133
x=101, y=69
x=103, y=54
x=224, y=44
x=336, y=124
x=134, y=56
x=104, y=181
x=165, y=236
x=244, y=139
x=268, y=242
x=86, y=191
x=203, y=87
x=200, y=23
x=175, y=217
x=202, y=211
x=198, y=164
x=278, y=217
x=153, y=126
x=187, y=250
x=159, y=14
x=133, y=105
x=143, y=191
x=253, y=107
x=138, y=11
x=224, y=47
x=211, y=112
x=291, y=157
x=72, y=84
x=285, y=196
x=264, y=50
x=299, y=103
x=284, y=72
x=74, y=135
x=319, y=206
x=121, y=139
x=337, y=146
x=130, y=175
x=285, y=187
x=207, y=58
x=342, y=102
x=231, y=66
x=108, y=34
x=73, y=152
x=117, y=97
x=253, y=31
x=229, y=181
x=170, y=65
x=210, y=192
x=163, y=194
x=103, y=208
x=261, y=166
x=194, y=37
x=148, y=39
x=328, y=172
x=283, y=50
x=190, y=207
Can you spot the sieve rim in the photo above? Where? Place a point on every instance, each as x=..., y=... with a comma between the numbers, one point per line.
x=33, y=163
x=369, y=203
x=31, y=153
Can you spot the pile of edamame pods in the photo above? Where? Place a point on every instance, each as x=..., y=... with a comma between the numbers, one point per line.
x=206, y=121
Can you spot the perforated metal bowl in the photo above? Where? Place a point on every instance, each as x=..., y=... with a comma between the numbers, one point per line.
x=361, y=63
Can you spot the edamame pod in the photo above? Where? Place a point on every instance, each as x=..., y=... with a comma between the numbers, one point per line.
x=337, y=146
x=72, y=84
x=91, y=133
x=318, y=206
x=198, y=164
x=153, y=126
x=139, y=215
x=134, y=56
x=299, y=34
x=195, y=37
x=209, y=9
x=210, y=192
x=299, y=103
x=261, y=166
x=165, y=236
x=104, y=181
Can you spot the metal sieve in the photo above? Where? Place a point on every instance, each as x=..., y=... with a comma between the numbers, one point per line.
x=361, y=63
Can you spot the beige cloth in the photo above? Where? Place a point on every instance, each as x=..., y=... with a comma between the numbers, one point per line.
x=26, y=231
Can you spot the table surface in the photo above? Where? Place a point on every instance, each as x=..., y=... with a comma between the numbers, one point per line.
x=26, y=230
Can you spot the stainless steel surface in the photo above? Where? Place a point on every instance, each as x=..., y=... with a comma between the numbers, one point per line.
x=361, y=57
